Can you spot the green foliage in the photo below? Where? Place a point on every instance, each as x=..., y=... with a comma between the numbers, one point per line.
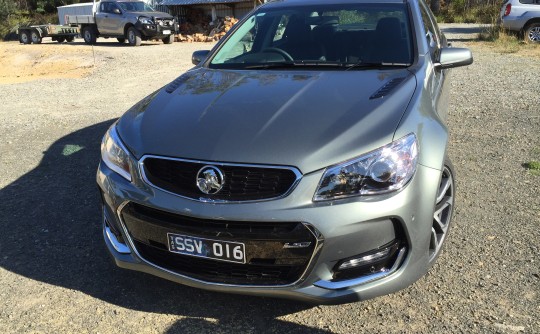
x=533, y=165
x=469, y=11
x=16, y=13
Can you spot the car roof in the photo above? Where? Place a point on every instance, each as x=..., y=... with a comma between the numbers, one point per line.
x=328, y=2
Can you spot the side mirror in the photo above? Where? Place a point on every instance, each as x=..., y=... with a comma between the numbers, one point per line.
x=199, y=56
x=454, y=57
x=116, y=11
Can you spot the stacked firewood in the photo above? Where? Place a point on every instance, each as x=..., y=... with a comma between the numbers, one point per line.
x=215, y=31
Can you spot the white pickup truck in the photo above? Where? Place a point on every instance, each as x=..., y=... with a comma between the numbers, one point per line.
x=129, y=20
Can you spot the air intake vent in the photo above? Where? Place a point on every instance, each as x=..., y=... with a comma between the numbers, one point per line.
x=175, y=84
x=387, y=88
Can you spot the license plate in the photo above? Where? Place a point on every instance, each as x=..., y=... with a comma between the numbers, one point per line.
x=212, y=249
x=166, y=32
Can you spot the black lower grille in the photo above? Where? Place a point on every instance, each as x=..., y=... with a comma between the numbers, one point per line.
x=241, y=183
x=267, y=261
x=220, y=272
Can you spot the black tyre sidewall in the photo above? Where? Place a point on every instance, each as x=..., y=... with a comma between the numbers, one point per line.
x=91, y=38
x=28, y=40
x=36, y=40
x=169, y=39
x=136, y=41
x=526, y=34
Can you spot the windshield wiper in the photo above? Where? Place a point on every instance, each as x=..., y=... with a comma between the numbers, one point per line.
x=374, y=65
x=283, y=64
x=288, y=64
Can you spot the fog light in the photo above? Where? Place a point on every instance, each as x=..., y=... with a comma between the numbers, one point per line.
x=377, y=260
x=361, y=261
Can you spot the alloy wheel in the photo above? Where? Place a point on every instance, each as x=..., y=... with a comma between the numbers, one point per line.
x=534, y=34
x=443, y=213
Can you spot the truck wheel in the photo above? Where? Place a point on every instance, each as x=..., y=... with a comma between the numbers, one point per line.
x=35, y=37
x=70, y=39
x=60, y=39
x=134, y=36
x=169, y=39
x=89, y=35
x=121, y=40
x=24, y=37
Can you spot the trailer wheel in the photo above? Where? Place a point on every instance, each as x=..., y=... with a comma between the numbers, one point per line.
x=60, y=39
x=36, y=38
x=70, y=39
x=121, y=40
x=134, y=36
x=89, y=35
x=169, y=39
x=24, y=37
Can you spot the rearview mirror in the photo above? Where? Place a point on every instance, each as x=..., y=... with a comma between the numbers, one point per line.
x=199, y=56
x=116, y=11
x=454, y=57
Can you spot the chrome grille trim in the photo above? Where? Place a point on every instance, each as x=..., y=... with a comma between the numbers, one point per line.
x=142, y=172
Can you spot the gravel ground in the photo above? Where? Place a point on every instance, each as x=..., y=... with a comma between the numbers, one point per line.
x=56, y=275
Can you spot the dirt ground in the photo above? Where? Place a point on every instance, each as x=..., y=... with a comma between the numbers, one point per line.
x=22, y=63
x=57, y=101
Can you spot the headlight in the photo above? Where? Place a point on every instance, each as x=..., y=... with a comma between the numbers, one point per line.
x=114, y=153
x=384, y=170
x=145, y=20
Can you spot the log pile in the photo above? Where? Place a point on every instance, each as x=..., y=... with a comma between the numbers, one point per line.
x=205, y=32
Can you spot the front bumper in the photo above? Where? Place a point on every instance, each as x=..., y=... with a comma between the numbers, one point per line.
x=345, y=228
x=156, y=30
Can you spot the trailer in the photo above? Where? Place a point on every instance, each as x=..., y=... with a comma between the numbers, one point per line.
x=59, y=33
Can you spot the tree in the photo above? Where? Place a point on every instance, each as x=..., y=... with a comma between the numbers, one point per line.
x=436, y=6
x=7, y=7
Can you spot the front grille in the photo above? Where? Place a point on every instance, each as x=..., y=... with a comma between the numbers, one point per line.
x=267, y=261
x=241, y=183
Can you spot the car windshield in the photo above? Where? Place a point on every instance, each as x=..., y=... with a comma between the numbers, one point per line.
x=135, y=6
x=333, y=35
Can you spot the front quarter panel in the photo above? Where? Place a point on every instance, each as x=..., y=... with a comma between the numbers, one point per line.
x=422, y=119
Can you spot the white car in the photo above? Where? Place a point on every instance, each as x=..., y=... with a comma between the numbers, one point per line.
x=522, y=16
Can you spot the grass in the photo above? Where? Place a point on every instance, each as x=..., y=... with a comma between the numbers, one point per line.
x=457, y=12
x=533, y=167
x=497, y=39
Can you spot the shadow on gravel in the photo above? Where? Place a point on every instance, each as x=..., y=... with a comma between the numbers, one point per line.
x=51, y=232
x=462, y=34
x=113, y=43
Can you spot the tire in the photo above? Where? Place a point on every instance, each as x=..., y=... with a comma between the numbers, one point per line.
x=35, y=37
x=169, y=39
x=443, y=211
x=89, y=35
x=24, y=37
x=134, y=36
x=60, y=39
x=532, y=33
x=70, y=39
x=121, y=40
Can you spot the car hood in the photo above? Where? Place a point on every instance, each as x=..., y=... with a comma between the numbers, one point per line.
x=159, y=15
x=304, y=119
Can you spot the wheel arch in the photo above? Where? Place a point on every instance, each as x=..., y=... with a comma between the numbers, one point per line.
x=126, y=27
x=531, y=21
